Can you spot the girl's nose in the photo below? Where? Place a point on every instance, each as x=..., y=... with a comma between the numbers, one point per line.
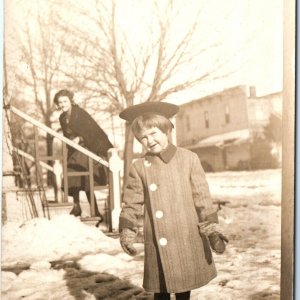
x=150, y=140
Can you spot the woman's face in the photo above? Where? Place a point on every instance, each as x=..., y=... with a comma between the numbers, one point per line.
x=64, y=103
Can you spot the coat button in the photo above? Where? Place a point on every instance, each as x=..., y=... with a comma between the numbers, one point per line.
x=159, y=214
x=147, y=163
x=153, y=187
x=163, y=241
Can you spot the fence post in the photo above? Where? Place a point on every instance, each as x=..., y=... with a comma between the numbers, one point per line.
x=58, y=171
x=65, y=172
x=91, y=181
x=115, y=165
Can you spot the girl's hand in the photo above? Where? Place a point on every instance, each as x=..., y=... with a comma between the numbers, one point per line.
x=127, y=238
x=218, y=242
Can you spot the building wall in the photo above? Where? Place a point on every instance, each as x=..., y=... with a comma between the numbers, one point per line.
x=211, y=158
x=245, y=111
x=260, y=109
x=191, y=124
x=237, y=156
x=232, y=157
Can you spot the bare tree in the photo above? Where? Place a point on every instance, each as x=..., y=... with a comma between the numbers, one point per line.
x=106, y=63
x=41, y=50
x=109, y=67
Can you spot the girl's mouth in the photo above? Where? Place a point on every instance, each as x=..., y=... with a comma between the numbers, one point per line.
x=152, y=146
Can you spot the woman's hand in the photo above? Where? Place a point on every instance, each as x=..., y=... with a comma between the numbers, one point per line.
x=77, y=140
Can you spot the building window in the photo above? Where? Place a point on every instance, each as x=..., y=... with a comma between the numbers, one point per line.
x=206, y=118
x=188, y=124
x=227, y=115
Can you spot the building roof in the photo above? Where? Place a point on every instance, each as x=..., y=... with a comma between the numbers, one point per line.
x=213, y=95
x=219, y=140
x=241, y=87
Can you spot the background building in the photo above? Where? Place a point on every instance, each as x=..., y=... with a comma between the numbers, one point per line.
x=233, y=129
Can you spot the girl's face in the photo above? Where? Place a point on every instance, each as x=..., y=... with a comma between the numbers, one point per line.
x=64, y=103
x=153, y=140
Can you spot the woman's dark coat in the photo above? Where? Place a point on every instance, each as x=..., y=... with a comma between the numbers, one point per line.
x=172, y=187
x=81, y=124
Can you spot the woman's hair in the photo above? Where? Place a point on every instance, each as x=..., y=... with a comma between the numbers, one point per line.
x=149, y=120
x=63, y=93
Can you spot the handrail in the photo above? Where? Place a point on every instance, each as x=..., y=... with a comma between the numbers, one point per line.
x=114, y=165
x=31, y=158
x=59, y=136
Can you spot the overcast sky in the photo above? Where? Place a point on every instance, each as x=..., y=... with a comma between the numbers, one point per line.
x=255, y=25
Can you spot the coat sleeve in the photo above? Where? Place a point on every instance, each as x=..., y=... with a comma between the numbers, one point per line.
x=94, y=137
x=63, y=125
x=67, y=131
x=133, y=200
x=201, y=195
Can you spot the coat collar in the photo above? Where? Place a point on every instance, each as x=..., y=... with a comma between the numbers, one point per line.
x=167, y=154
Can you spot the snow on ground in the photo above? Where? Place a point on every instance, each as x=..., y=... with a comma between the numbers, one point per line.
x=261, y=187
x=66, y=259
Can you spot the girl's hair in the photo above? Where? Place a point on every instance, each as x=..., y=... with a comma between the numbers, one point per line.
x=63, y=93
x=149, y=120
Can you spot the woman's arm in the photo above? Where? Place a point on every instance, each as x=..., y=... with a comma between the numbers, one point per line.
x=95, y=139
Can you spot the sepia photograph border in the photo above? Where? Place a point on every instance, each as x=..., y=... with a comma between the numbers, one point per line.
x=288, y=204
x=288, y=153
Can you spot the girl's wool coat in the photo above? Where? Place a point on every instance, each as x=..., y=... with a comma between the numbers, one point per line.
x=172, y=189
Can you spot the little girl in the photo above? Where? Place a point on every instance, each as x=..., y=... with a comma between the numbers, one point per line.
x=179, y=218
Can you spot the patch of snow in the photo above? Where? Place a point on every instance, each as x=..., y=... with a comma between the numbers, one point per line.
x=250, y=266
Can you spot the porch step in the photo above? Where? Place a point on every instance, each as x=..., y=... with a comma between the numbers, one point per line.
x=53, y=204
x=114, y=234
x=93, y=221
x=58, y=208
x=65, y=207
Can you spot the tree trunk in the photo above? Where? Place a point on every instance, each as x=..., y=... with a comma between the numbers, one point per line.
x=128, y=152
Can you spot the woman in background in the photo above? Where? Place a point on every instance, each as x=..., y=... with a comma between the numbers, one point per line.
x=78, y=126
